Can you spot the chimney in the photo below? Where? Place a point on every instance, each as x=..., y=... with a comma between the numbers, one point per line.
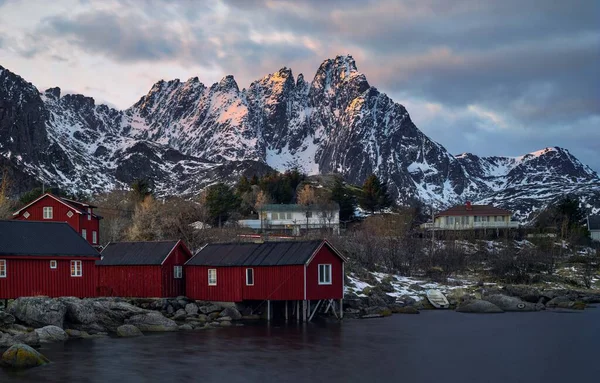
x=468, y=205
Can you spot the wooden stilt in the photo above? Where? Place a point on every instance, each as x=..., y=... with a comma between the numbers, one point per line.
x=304, y=310
x=286, y=312
x=341, y=308
x=298, y=311
x=314, y=311
x=268, y=311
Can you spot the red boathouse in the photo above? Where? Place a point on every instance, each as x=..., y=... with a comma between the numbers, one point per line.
x=302, y=271
x=80, y=216
x=142, y=269
x=45, y=258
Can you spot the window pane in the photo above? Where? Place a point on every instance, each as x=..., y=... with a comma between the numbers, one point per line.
x=2, y=268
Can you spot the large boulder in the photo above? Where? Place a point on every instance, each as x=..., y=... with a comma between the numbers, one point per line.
x=22, y=356
x=152, y=321
x=51, y=334
x=29, y=338
x=211, y=308
x=128, y=331
x=6, y=319
x=39, y=311
x=6, y=340
x=565, y=302
x=79, y=311
x=179, y=314
x=507, y=303
x=231, y=312
x=191, y=309
x=478, y=306
x=110, y=314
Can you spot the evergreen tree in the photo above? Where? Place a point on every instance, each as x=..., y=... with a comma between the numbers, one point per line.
x=243, y=185
x=345, y=198
x=221, y=201
x=374, y=195
x=142, y=188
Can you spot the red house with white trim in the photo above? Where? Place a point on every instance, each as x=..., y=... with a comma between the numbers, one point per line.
x=80, y=216
x=45, y=258
x=298, y=271
x=151, y=269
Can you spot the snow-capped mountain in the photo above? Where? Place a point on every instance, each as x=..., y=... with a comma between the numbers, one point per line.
x=186, y=135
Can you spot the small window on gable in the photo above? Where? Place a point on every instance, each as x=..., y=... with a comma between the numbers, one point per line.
x=324, y=274
x=2, y=268
x=26, y=214
x=89, y=214
x=69, y=214
x=178, y=272
x=53, y=264
x=76, y=269
x=249, y=277
x=212, y=277
x=47, y=212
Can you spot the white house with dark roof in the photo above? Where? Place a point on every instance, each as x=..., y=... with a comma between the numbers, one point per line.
x=296, y=217
x=469, y=217
x=593, y=222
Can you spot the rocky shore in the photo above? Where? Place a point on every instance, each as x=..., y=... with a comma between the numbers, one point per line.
x=36, y=320
x=380, y=301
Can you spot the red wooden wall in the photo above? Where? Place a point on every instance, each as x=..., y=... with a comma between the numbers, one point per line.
x=228, y=288
x=172, y=287
x=130, y=281
x=33, y=276
x=314, y=291
x=277, y=283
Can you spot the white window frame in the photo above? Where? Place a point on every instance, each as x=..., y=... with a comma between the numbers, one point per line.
x=53, y=264
x=89, y=214
x=275, y=216
x=177, y=272
x=288, y=216
x=211, y=281
x=325, y=271
x=48, y=212
x=76, y=269
x=94, y=236
x=84, y=234
x=3, y=271
x=252, y=272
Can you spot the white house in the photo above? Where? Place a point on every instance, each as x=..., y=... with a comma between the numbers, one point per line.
x=296, y=218
x=594, y=227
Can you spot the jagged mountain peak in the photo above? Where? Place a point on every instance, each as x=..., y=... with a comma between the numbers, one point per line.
x=185, y=135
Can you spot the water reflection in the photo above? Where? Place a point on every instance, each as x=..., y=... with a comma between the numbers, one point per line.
x=432, y=346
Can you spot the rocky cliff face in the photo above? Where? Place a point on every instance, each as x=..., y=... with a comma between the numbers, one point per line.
x=186, y=135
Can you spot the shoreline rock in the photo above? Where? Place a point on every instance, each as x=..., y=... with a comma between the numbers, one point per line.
x=21, y=356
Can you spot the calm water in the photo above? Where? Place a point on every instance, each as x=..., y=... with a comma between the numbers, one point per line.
x=433, y=346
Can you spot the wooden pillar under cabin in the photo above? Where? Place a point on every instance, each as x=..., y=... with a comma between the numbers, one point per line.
x=341, y=308
x=286, y=312
x=298, y=311
x=268, y=311
x=308, y=310
x=304, y=310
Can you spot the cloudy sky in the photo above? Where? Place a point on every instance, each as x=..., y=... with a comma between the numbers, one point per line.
x=503, y=78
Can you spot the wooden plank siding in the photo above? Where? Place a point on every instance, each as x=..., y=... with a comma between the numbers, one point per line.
x=33, y=276
x=335, y=290
x=129, y=281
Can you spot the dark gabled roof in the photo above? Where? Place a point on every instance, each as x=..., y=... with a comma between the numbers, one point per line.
x=464, y=210
x=594, y=222
x=34, y=238
x=136, y=253
x=256, y=254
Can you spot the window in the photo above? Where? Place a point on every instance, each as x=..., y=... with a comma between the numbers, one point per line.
x=449, y=220
x=288, y=215
x=477, y=219
x=212, y=277
x=2, y=268
x=249, y=277
x=484, y=219
x=178, y=272
x=274, y=216
x=53, y=264
x=309, y=214
x=26, y=214
x=70, y=214
x=76, y=269
x=94, y=237
x=89, y=214
x=84, y=233
x=47, y=212
x=324, y=274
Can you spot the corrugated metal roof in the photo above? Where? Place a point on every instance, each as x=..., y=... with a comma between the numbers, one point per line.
x=256, y=254
x=136, y=253
x=34, y=238
x=479, y=210
x=594, y=222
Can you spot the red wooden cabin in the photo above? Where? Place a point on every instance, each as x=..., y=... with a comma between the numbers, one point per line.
x=271, y=271
x=80, y=216
x=45, y=258
x=142, y=269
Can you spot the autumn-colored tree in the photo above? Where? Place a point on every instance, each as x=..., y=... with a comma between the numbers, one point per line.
x=306, y=196
x=145, y=225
